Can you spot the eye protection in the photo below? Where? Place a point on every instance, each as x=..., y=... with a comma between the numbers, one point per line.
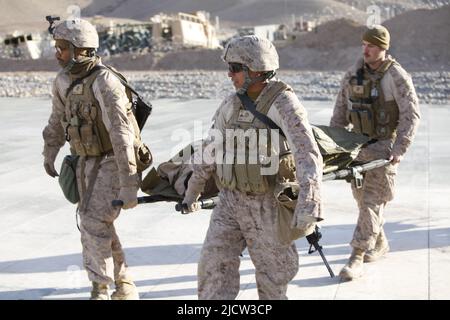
x=235, y=67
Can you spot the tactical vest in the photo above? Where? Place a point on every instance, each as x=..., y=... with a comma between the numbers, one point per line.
x=247, y=177
x=83, y=121
x=368, y=111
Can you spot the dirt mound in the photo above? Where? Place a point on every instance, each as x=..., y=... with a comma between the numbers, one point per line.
x=131, y=62
x=11, y=65
x=332, y=35
x=419, y=41
x=191, y=60
x=25, y=16
x=19, y=14
x=332, y=46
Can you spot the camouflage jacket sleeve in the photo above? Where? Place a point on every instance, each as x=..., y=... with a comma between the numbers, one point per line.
x=290, y=115
x=409, y=115
x=53, y=134
x=339, y=118
x=114, y=103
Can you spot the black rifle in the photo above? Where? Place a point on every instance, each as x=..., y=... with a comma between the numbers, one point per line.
x=313, y=240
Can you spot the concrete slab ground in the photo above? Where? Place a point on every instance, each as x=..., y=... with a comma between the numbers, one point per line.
x=40, y=247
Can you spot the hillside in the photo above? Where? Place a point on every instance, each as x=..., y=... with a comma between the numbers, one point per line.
x=28, y=15
x=420, y=41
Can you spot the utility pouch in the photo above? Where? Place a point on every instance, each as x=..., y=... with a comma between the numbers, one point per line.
x=355, y=120
x=286, y=195
x=68, y=178
x=367, y=123
x=383, y=117
x=256, y=181
x=75, y=140
x=361, y=91
x=242, y=182
x=383, y=132
x=89, y=140
x=361, y=117
x=225, y=175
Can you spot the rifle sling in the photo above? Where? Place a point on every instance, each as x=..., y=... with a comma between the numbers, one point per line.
x=250, y=106
x=100, y=67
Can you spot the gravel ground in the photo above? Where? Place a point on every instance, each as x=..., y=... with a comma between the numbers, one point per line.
x=432, y=87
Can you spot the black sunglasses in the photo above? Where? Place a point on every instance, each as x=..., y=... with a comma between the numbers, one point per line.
x=235, y=67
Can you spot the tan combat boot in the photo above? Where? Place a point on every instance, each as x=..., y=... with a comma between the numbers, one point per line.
x=125, y=290
x=381, y=248
x=99, y=291
x=354, y=267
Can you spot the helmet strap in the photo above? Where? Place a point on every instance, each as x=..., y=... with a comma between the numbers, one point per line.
x=249, y=81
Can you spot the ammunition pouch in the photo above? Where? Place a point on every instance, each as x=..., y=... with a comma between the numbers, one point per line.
x=84, y=140
x=362, y=118
x=387, y=117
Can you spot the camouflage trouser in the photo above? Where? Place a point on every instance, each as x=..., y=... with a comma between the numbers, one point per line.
x=103, y=257
x=241, y=221
x=377, y=190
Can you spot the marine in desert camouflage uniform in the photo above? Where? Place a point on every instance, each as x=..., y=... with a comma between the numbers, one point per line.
x=377, y=98
x=246, y=216
x=95, y=118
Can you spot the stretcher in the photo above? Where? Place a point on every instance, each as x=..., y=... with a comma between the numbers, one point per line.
x=339, y=149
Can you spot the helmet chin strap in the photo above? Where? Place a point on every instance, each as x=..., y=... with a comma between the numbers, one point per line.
x=249, y=81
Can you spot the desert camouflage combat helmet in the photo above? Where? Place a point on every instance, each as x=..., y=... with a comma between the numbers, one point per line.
x=81, y=33
x=258, y=54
